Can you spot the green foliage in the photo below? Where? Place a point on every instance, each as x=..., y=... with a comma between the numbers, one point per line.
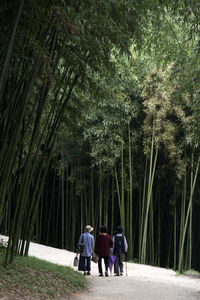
x=41, y=61
x=86, y=86
x=31, y=277
x=116, y=104
x=191, y=272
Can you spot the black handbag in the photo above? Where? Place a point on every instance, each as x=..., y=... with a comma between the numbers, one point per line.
x=81, y=246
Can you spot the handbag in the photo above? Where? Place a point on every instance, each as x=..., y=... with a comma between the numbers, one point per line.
x=94, y=258
x=76, y=260
x=81, y=246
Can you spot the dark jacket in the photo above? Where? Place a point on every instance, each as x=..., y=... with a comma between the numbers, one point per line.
x=103, y=244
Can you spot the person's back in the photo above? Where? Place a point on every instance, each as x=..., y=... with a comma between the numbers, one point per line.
x=120, y=247
x=103, y=245
x=87, y=240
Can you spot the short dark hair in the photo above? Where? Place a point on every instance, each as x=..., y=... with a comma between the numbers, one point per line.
x=103, y=229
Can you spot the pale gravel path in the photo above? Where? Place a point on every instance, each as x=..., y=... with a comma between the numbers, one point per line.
x=142, y=283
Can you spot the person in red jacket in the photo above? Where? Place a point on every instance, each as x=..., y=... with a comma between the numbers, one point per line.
x=102, y=247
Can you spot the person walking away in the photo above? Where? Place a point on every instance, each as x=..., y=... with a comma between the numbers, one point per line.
x=120, y=247
x=86, y=241
x=103, y=245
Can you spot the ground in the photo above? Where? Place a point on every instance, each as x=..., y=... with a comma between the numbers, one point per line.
x=142, y=281
x=130, y=288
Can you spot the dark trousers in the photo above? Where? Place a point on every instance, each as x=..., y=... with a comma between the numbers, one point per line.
x=100, y=263
x=84, y=263
x=118, y=264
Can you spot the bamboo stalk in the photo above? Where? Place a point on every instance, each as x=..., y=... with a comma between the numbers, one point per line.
x=187, y=218
x=10, y=47
x=130, y=195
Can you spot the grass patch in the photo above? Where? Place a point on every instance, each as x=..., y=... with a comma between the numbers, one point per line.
x=32, y=278
x=192, y=273
x=189, y=273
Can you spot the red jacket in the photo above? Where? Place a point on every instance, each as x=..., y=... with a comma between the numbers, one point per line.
x=103, y=244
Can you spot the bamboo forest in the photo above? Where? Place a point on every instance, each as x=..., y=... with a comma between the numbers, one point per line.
x=100, y=124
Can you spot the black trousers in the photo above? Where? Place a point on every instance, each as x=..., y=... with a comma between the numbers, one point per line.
x=84, y=263
x=100, y=264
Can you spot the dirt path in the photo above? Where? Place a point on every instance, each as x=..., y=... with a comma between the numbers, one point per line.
x=131, y=288
x=142, y=283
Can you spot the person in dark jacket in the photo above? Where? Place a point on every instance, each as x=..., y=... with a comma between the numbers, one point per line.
x=120, y=247
x=102, y=247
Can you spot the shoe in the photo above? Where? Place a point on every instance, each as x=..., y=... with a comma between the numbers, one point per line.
x=106, y=274
x=117, y=274
x=84, y=273
x=121, y=274
x=100, y=275
x=88, y=273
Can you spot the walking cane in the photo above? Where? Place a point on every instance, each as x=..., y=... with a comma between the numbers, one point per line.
x=126, y=265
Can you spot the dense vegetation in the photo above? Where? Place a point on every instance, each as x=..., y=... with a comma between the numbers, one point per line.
x=100, y=122
x=32, y=278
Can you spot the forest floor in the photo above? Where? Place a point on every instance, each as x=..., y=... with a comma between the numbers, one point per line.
x=142, y=281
